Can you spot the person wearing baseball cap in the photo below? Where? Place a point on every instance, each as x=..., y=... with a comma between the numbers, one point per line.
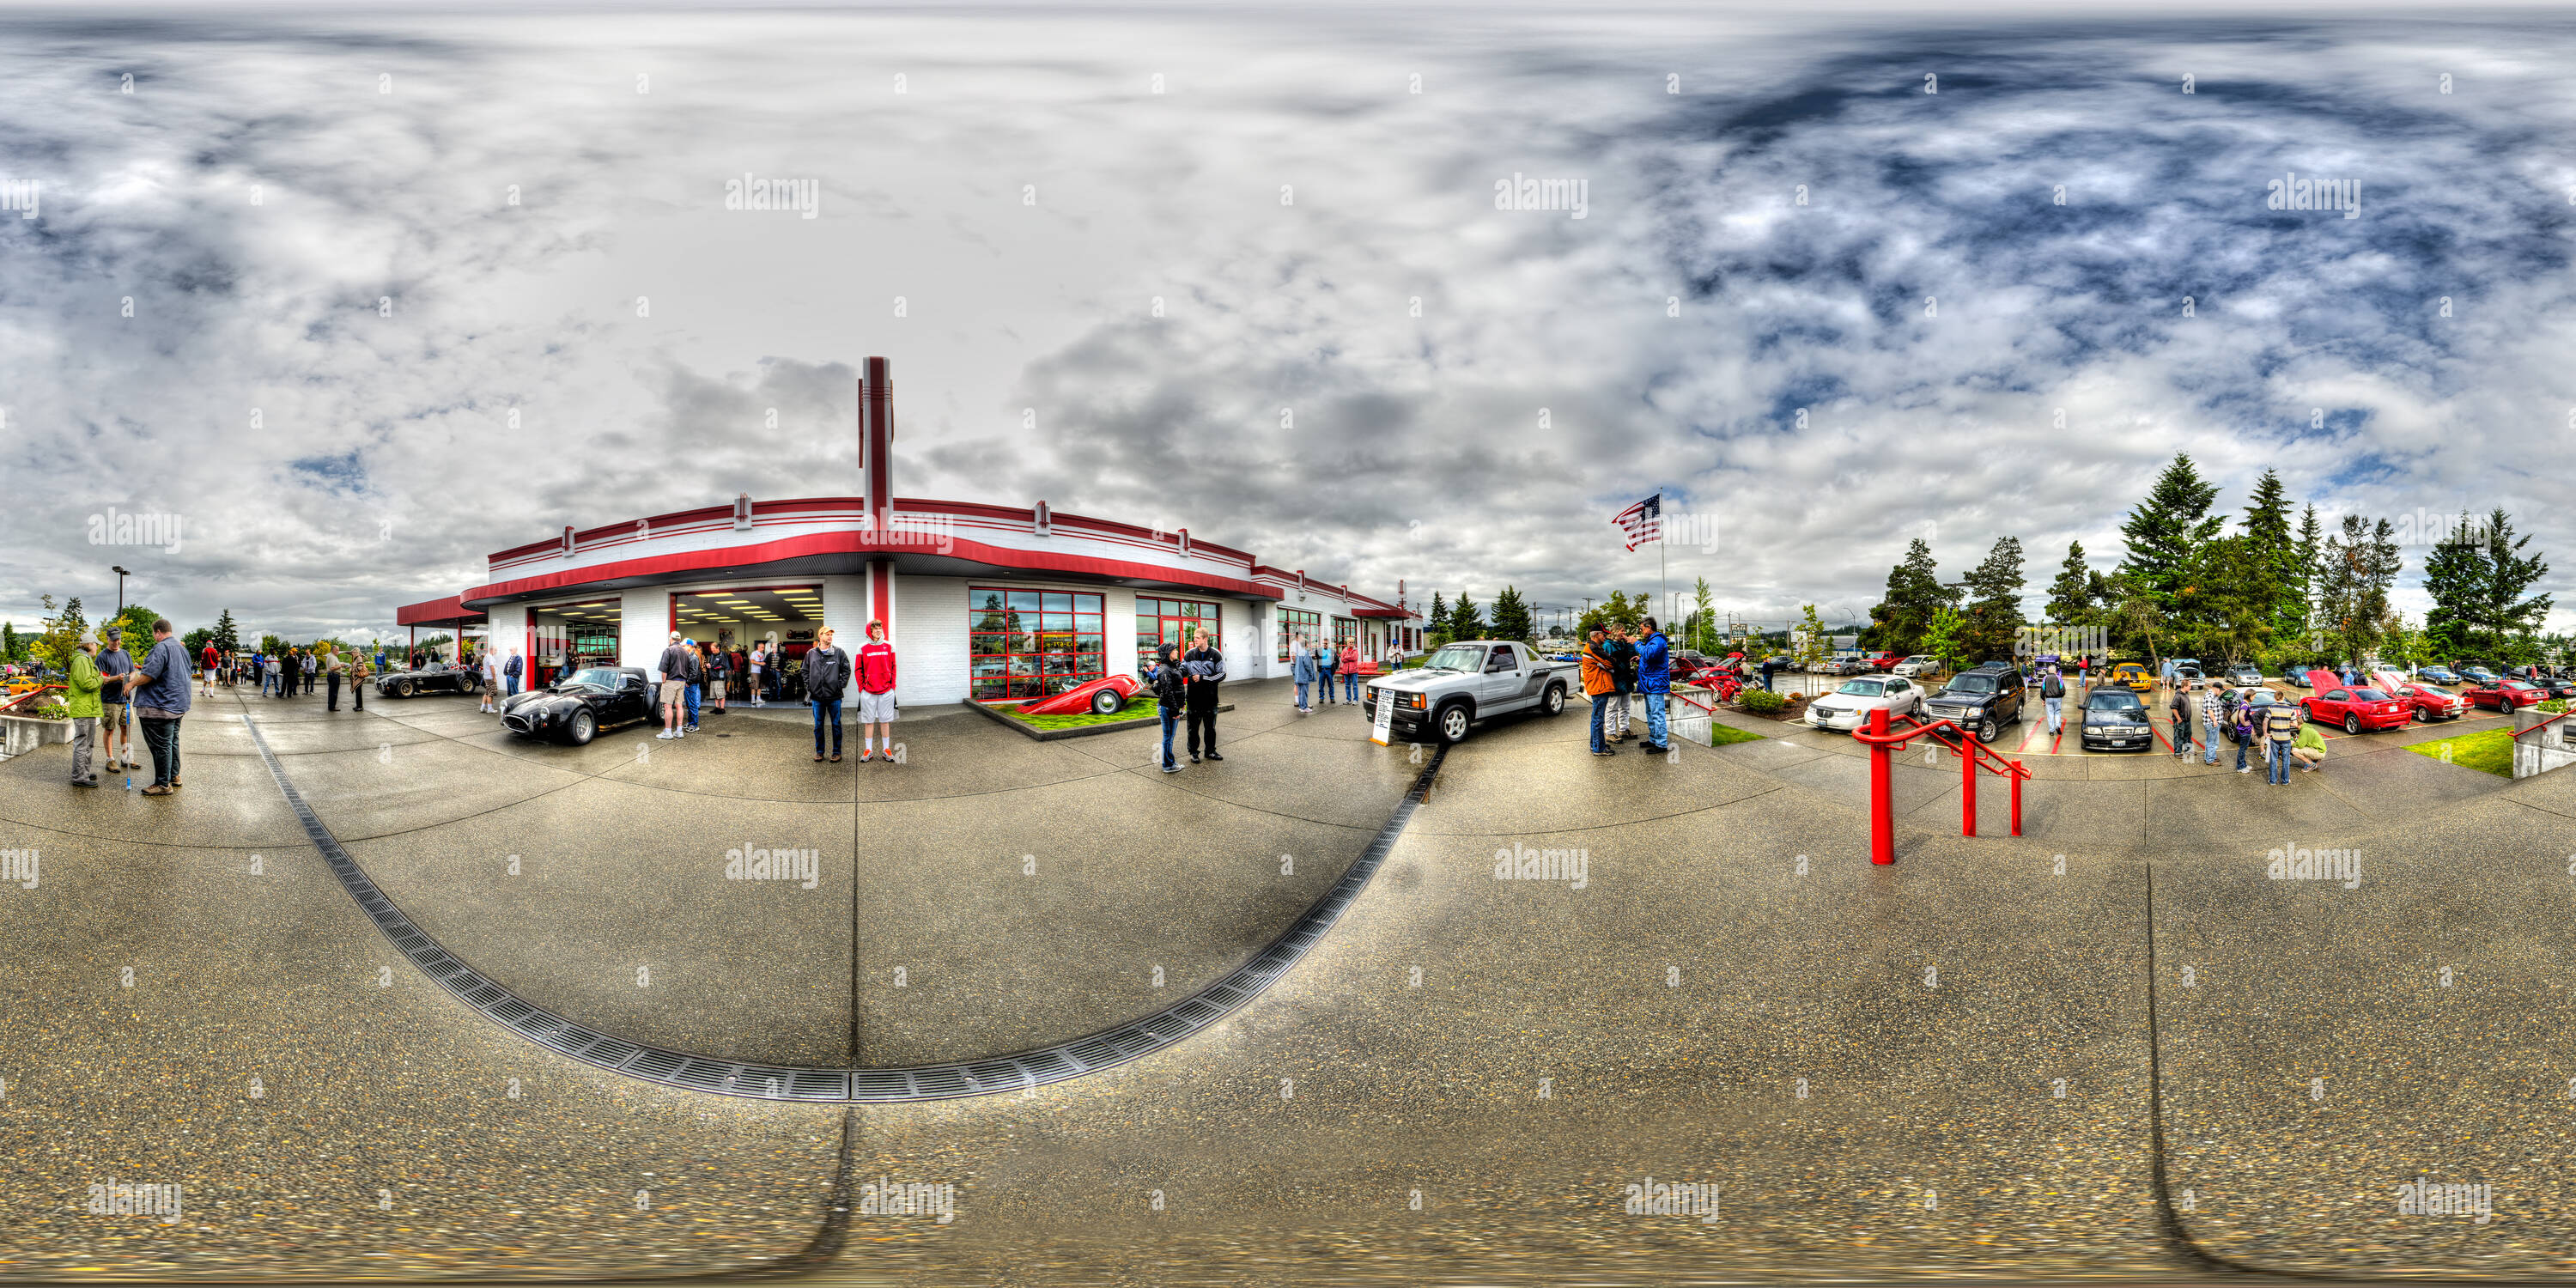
x=114, y=664
x=82, y=696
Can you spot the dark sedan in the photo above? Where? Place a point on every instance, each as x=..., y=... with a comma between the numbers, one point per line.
x=443, y=678
x=2114, y=720
x=574, y=709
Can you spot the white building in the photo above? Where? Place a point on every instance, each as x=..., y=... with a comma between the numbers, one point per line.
x=983, y=602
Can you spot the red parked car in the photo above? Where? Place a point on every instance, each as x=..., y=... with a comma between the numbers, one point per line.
x=2426, y=702
x=2356, y=709
x=2506, y=695
x=1885, y=661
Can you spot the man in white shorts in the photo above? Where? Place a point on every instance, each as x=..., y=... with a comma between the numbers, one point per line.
x=674, y=669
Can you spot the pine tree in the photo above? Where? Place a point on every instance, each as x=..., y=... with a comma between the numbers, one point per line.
x=227, y=635
x=2276, y=553
x=2166, y=528
x=1914, y=592
x=1511, y=616
x=2357, y=568
x=1703, y=635
x=1439, y=618
x=2070, y=597
x=2476, y=577
x=1466, y=621
x=10, y=648
x=2305, y=551
x=1994, y=603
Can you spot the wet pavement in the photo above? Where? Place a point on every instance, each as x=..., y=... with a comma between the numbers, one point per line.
x=1572, y=974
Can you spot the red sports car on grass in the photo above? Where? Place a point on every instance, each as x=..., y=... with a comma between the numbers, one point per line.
x=2506, y=696
x=2355, y=709
x=2428, y=703
x=1100, y=697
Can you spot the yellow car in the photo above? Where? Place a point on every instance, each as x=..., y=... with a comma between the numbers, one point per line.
x=2133, y=675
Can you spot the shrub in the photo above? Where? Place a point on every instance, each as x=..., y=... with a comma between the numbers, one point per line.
x=1760, y=702
x=53, y=711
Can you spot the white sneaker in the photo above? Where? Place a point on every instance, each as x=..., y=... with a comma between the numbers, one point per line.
x=665, y=735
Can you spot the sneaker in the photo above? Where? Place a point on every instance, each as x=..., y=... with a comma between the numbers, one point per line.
x=1171, y=769
x=1213, y=756
x=1194, y=758
x=1655, y=747
x=157, y=789
x=85, y=782
x=666, y=735
x=2244, y=769
x=866, y=756
x=836, y=758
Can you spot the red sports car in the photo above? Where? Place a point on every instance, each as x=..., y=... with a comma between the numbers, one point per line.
x=1101, y=696
x=2428, y=703
x=2506, y=695
x=2355, y=709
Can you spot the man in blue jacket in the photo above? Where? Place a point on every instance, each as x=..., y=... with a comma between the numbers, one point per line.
x=1655, y=683
x=1302, y=665
x=160, y=703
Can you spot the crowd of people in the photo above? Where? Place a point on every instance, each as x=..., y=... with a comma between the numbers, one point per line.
x=1320, y=664
x=2213, y=709
x=1625, y=668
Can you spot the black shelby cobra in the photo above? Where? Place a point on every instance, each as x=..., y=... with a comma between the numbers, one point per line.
x=444, y=678
x=576, y=708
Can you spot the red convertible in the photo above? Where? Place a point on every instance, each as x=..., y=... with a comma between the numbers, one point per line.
x=2506, y=695
x=1100, y=697
x=2428, y=703
x=2354, y=709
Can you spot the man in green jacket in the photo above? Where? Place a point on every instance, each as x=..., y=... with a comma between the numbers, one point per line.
x=82, y=698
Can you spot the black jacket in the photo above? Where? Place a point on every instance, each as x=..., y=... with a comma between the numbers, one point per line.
x=827, y=673
x=1168, y=689
x=1212, y=673
x=1623, y=666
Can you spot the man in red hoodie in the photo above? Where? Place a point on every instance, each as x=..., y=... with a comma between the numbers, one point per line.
x=876, y=693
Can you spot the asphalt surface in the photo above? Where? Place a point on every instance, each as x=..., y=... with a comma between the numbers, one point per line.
x=1958, y=1066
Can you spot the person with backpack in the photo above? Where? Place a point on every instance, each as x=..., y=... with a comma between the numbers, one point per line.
x=2179, y=705
x=877, y=713
x=827, y=674
x=2052, y=693
x=2280, y=728
x=1163, y=676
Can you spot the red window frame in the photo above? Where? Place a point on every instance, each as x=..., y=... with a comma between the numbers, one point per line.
x=1032, y=642
x=1166, y=614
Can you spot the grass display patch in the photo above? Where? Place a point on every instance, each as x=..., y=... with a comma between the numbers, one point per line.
x=1131, y=712
x=2490, y=750
x=1721, y=734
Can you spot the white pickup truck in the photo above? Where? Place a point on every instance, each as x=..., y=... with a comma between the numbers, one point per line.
x=1469, y=681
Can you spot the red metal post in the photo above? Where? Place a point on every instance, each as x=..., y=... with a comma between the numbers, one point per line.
x=2016, y=797
x=1882, y=806
x=1967, y=783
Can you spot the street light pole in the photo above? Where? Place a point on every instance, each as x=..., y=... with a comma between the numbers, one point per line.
x=121, y=575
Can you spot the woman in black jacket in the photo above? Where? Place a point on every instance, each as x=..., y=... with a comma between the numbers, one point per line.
x=1164, y=674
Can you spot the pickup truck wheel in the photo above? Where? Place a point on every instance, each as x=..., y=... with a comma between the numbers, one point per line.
x=1554, y=702
x=2351, y=723
x=1453, y=723
x=1987, y=729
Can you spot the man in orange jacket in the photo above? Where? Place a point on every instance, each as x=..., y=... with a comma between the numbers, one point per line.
x=1599, y=685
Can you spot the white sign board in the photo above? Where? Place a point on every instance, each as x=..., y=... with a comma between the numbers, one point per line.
x=1380, y=728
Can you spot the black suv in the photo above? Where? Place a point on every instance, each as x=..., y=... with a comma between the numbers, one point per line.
x=1981, y=701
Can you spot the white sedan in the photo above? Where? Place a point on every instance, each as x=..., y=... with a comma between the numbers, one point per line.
x=1849, y=706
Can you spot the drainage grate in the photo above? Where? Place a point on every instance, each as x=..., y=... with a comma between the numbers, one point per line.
x=1088, y=1054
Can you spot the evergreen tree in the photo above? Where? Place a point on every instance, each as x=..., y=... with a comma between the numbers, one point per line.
x=2228, y=601
x=2357, y=567
x=2306, y=550
x=1511, y=616
x=1438, y=620
x=2276, y=553
x=11, y=648
x=2070, y=596
x=227, y=635
x=1703, y=635
x=1914, y=592
x=2476, y=577
x=1994, y=601
x=2167, y=527
x=1466, y=621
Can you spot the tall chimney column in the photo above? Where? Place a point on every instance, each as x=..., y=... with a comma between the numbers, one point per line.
x=876, y=444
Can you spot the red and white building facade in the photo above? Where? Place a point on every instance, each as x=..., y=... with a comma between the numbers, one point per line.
x=983, y=602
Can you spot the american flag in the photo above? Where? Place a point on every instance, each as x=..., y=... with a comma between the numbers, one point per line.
x=1642, y=522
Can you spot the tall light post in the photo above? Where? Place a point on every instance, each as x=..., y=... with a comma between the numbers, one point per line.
x=121, y=575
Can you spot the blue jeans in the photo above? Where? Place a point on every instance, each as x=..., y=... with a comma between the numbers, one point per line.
x=1600, y=708
x=511, y=683
x=690, y=691
x=2277, y=769
x=2056, y=714
x=1301, y=695
x=1171, y=721
x=2212, y=735
x=826, y=710
x=1655, y=717
x=1351, y=686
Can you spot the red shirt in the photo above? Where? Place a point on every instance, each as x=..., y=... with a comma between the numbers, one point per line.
x=876, y=667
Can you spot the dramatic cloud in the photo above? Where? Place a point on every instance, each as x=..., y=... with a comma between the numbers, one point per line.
x=363, y=300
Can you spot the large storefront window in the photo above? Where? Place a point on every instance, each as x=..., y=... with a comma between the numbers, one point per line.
x=570, y=636
x=1172, y=621
x=1346, y=632
x=1295, y=625
x=1030, y=643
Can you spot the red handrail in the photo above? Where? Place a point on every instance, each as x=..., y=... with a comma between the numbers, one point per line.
x=2518, y=733
x=1883, y=741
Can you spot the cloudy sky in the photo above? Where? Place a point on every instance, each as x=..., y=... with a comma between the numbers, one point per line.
x=292, y=280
